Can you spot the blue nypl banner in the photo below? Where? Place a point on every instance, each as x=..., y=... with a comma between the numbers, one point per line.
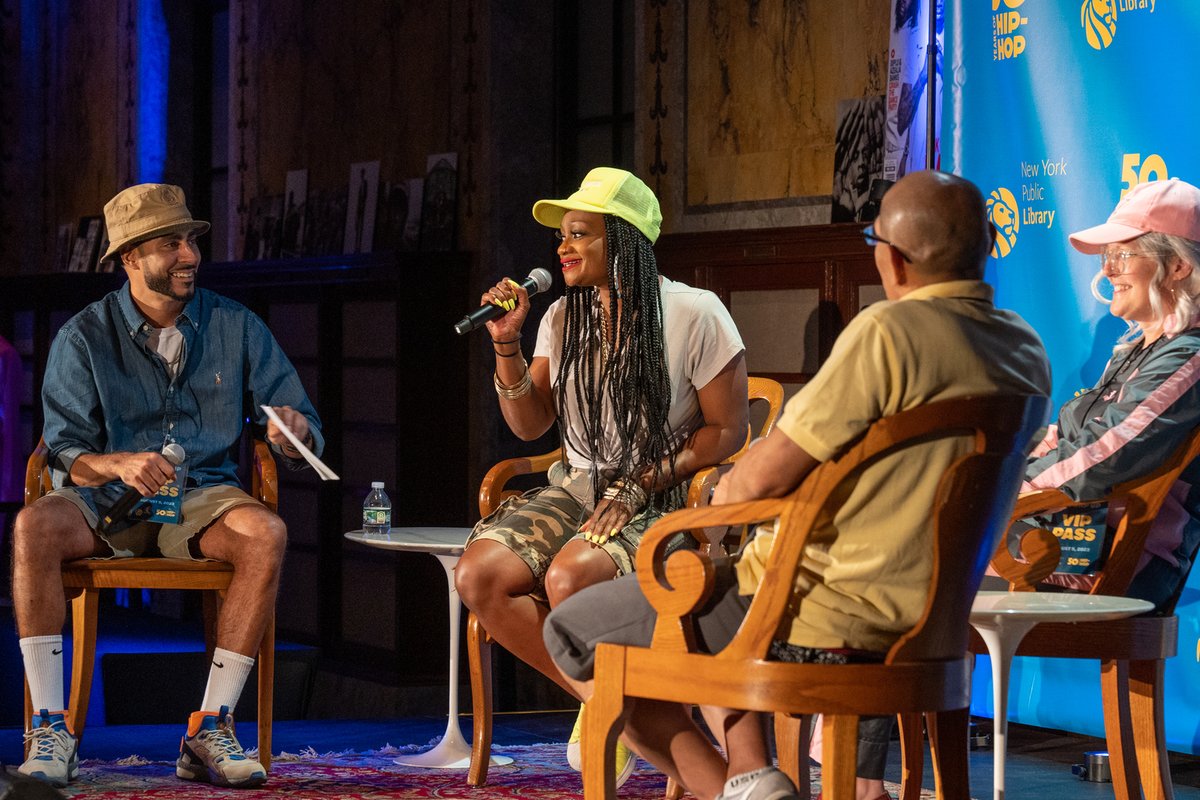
x=1055, y=109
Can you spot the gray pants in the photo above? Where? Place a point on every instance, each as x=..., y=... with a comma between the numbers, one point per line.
x=617, y=612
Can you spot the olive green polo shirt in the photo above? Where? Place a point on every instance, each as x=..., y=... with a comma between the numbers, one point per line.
x=864, y=576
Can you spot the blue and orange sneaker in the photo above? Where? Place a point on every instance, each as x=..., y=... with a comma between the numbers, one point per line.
x=210, y=753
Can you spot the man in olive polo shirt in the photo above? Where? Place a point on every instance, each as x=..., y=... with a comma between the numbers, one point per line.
x=862, y=581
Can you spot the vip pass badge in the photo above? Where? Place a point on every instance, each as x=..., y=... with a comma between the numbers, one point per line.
x=1082, y=539
x=166, y=506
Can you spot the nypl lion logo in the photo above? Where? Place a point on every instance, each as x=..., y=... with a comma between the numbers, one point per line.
x=1005, y=217
x=1099, y=21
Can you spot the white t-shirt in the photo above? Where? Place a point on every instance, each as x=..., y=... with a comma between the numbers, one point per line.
x=700, y=339
x=168, y=343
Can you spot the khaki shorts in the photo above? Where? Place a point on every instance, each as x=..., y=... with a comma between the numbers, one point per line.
x=539, y=523
x=201, y=508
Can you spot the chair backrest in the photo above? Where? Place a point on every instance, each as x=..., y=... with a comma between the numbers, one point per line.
x=264, y=482
x=1142, y=498
x=767, y=391
x=971, y=509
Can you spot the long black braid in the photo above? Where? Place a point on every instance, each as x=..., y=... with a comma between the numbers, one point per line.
x=633, y=378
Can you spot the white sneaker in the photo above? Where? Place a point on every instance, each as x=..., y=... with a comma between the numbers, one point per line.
x=210, y=753
x=53, y=750
x=767, y=783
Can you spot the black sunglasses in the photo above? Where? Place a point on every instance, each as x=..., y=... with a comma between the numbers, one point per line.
x=873, y=239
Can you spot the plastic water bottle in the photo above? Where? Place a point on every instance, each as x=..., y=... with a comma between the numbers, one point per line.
x=377, y=510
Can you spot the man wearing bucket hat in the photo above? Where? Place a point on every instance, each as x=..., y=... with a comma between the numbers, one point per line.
x=157, y=365
x=645, y=379
x=1148, y=396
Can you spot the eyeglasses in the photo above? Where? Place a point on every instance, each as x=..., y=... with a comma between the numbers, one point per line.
x=1118, y=263
x=872, y=239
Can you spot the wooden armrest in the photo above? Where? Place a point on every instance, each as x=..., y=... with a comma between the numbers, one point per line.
x=1040, y=554
x=1040, y=502
x=266, y=484
x=700, y=495
x=677, y=586
x=701, y=489
x=37, y=481
x=491, y=490
x=1039, y=548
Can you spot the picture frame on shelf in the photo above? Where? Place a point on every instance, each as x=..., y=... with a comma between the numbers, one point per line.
x=263, y=228
x=398, y=222
x=325, y=221
x=103, y=266
x=858, y=158
x=64, y=245
x=439, y=206
x=86, y=248
x=362, y=199
x=295, y=207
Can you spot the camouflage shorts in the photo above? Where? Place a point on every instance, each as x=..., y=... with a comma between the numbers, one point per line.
x=537, y=524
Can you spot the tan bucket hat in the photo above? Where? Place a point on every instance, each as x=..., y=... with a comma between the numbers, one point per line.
x=145, y=211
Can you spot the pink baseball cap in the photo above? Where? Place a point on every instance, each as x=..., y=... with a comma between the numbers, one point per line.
x=1171, y=206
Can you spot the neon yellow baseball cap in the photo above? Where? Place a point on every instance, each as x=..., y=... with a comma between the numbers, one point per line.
x=606, y=190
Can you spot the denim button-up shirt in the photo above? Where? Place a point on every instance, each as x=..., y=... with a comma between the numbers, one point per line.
x=106, y=391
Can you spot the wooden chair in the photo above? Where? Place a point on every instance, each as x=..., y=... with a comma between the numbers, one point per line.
x=84, y=578
x=494, y=490
x=926, y=671
x=1132, y=652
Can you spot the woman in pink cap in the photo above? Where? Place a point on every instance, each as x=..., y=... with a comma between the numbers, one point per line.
x=1148, y=398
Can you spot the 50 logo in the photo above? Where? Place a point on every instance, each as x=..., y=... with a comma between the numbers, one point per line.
x=1134, y=170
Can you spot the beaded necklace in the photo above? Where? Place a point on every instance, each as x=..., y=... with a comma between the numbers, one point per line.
x=605, y=337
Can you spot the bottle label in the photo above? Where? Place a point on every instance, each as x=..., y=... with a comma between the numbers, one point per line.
x=377, y=517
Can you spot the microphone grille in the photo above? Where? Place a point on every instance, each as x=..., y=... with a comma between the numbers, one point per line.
x=542, y=278
x=174, y=453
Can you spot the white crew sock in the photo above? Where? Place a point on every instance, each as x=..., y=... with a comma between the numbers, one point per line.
x=226, y=678
x=43, y=656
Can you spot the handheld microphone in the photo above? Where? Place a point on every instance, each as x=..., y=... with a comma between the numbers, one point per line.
x=538, y=281
x=171, y=452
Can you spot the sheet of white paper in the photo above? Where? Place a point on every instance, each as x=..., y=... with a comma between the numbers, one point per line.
x=325, y=472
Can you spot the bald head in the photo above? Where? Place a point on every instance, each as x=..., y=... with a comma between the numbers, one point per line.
x=940, y=222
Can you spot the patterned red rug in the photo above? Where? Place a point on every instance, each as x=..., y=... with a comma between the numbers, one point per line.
x=539, y=772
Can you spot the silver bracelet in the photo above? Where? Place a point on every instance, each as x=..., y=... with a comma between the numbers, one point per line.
x=518, y=390
x=630, y=493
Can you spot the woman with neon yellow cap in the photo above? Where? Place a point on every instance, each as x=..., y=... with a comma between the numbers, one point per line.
x=645, y=379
